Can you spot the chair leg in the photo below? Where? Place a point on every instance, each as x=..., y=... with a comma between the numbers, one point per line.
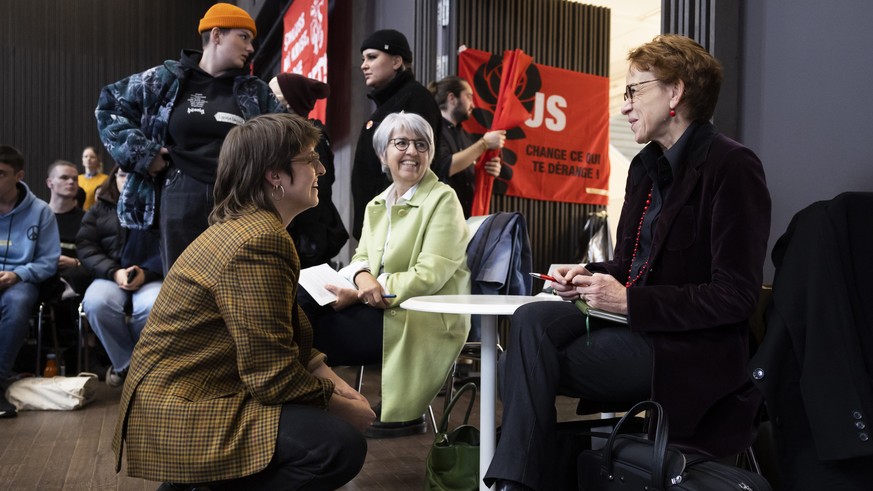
x=433, y=421
x=752, y=459
x=449, y=391
x=38, y=371
x=359, y=378
x=82, y=344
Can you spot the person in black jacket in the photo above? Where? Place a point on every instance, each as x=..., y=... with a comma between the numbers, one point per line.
x=815, y=365
x=127, y=270
x=319, y=232
x=387, y=67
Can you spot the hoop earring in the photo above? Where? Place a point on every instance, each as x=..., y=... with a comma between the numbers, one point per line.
x=277, y=187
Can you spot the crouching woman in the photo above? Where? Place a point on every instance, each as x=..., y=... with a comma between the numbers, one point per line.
x=225, y=388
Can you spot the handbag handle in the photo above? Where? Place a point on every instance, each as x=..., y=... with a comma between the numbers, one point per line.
x=659, y=449
x=444, y=420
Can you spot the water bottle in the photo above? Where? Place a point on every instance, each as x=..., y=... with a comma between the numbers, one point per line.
x=51, y=366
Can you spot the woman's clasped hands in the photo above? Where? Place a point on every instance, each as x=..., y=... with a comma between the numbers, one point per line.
x=598, y=290
x=369, y=292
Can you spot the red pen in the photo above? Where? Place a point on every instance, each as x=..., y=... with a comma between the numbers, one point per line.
x=544, y=277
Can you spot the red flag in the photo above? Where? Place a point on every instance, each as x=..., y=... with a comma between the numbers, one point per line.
x=508, y=113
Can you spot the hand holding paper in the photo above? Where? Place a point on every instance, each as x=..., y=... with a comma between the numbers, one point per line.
x=315, y=278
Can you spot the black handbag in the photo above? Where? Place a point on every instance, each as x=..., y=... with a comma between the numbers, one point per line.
x=637, y=462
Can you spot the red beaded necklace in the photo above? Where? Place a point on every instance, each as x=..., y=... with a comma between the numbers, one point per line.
x=630, y=281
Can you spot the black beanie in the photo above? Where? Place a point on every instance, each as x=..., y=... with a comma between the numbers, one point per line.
x=391, y=42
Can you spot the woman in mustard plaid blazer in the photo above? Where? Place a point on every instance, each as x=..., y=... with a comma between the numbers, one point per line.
x=225, y=388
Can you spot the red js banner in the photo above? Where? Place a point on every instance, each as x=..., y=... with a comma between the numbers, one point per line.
x=304, y=46
x=562, y=152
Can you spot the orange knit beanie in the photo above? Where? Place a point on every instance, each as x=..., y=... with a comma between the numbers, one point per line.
x=227, y=16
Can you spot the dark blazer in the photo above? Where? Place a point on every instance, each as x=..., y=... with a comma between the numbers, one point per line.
x=403, y=93
x=815, y=366
x=224, y=347
x=704, y=280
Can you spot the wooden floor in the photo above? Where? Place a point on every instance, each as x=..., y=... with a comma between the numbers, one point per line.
x=46, y=450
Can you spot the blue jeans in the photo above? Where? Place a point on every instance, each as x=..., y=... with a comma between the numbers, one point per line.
x=106, y=306
x=16, y=306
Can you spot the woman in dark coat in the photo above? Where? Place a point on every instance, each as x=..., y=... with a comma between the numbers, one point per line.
x=687, y=272
x=126, y=265
x=386, y=62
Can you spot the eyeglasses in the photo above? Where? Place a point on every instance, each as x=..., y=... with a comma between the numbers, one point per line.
x=629, y=90
x=421, y=146
x=312, y=159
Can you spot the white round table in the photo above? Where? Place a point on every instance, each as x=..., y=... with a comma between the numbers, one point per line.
x=489, y=307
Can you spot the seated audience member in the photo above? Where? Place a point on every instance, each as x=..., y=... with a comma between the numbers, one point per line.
x=319, y=233
x=413, y=243
x=126, y=265
x=30, y=248
x=93, y=177
x=457, y=158
x=224, y=387
x=62, y=181
x=688, y=267
x=72, y=278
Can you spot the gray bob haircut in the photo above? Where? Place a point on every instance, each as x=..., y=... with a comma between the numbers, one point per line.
x=410, y=122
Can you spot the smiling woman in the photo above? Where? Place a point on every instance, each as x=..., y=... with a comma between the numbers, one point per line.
x=410, y=152
x=413, y=243
x=224, y=383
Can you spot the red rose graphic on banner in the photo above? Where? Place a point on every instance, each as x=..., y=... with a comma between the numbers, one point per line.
x=561, y=152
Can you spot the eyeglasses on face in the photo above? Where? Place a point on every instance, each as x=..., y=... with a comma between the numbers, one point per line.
x=312, y=159
x=421, y=146
x=629, y=90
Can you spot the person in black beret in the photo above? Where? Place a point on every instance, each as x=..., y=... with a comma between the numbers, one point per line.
x=386, y=62
x=319, y=233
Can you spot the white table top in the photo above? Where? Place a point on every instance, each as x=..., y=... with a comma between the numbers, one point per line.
x=473, y=304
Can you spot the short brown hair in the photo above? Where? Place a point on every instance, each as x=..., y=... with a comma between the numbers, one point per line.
x=672, y=58
x=266, y=142
x=60, y=163
x=449, y=85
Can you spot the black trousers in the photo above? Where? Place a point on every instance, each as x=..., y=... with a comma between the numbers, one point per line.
x=352, y=336
x=315, y=450
x=183, y=214
x=548, y=354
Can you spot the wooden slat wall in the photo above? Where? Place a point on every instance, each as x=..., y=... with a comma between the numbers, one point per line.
x=715, y=25
x=57, y=55
x=556, y=33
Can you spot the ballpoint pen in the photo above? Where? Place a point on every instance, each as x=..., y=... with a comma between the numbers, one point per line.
x=544, y=277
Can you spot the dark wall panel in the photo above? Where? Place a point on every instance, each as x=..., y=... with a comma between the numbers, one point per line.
x=57, y=55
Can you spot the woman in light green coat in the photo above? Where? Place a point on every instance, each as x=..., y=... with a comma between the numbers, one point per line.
x=413, y=243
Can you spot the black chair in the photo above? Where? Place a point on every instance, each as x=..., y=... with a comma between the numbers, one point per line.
x=45, y=316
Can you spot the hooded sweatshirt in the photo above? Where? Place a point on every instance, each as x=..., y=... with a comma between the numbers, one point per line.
x=29, y=242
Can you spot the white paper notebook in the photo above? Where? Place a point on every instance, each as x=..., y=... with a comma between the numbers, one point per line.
x=314, y=278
